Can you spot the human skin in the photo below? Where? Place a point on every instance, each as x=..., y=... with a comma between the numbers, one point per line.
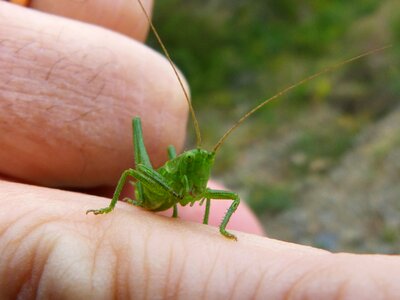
x=67, y=93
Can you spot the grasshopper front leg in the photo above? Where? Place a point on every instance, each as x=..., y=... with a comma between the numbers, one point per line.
x=222, y=195
x=207, y=211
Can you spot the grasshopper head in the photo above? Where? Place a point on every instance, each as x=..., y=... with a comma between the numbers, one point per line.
x=197, y=164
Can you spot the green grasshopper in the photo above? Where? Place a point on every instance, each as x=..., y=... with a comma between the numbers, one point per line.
x=183, y=179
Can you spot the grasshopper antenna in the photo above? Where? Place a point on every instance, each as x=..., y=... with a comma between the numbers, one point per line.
x=291, y=87
x=195, y=122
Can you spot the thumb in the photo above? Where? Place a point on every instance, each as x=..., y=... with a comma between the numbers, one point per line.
x=66, y=114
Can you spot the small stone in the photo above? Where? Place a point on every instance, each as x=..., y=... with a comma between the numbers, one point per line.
x=298, y=158
x=319, y=165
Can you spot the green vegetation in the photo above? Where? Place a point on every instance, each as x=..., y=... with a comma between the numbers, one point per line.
x=318, y=148
x=390, y=235
x=273, y=199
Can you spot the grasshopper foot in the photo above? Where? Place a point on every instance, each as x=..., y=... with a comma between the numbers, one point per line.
x=228, y=235
x=132, y=201
x=129, y=200
x=105, y=210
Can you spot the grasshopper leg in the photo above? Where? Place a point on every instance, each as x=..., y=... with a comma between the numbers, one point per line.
x=172, y=154
x=118, y=189
x=207, y=211
x=221, y=195
x=145, y=176
x=134, y=202
x=129, y=200
x=138, y=194
x=141, y=156
x=175, y=211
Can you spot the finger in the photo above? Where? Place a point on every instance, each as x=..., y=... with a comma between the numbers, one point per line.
x=50, y=247
x=124, y=16
x=68, y=92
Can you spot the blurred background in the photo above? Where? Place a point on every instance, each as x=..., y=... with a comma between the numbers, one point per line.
x=320, y=166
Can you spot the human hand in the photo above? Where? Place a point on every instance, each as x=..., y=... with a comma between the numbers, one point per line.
x=68, y=92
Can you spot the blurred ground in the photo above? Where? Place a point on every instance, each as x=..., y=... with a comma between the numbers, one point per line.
x=355, y=206
x=322, y=165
